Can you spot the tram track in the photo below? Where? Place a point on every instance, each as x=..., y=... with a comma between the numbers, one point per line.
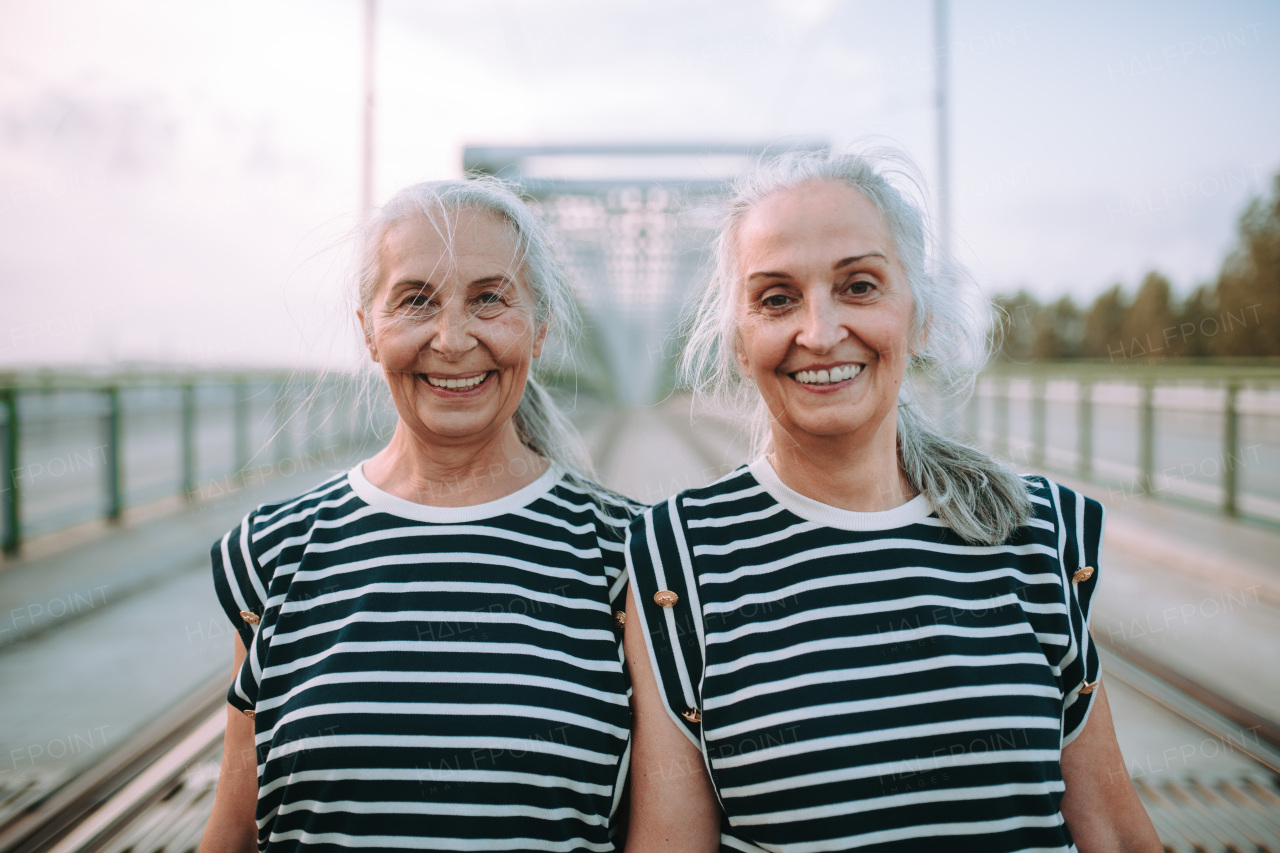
x=142, y=797
x=1239, y=815
x=99, y=803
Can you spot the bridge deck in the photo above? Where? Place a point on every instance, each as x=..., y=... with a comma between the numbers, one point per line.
x=99, y=640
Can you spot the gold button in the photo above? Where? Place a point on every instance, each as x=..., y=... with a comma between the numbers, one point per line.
x=249, y=714
x=620, y=617
x=1082, y=574
x=665, y=598
x=693, y=715
x=250, y=617
x=1089, y=688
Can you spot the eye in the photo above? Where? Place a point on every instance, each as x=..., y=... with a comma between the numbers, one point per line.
x=775, y=300
x=418, y=304
x=860, y=287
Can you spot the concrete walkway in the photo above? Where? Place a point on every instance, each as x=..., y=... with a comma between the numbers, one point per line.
x=100, y=638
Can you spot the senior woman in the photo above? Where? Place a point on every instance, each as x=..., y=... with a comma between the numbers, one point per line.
x=428, y=651
x=870, y=637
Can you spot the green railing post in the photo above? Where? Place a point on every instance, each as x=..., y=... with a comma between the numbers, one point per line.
x=242, y=426
x=1231, y=450
x=188, y=440
x=115, y=490
x=1001, y=403
x=1039, y=390
x=12, y=498
x=1084, y=428
x=972, y=412
x=310, y=440
x=281, y=438
x=1147, y=436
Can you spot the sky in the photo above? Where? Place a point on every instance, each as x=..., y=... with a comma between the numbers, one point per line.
x=178, y=180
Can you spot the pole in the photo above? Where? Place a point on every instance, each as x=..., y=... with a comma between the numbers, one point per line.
x=1147, y=435
x=366, y=167
x=242, y=402
x=1084, y=429
x=114, y=454
x=1231, y=450
x=189, y=440
x=12, y=499
x=944, y=141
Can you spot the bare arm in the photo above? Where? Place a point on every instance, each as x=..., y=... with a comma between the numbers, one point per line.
x=673, y=807
x=231, y=826
x=1100, y=806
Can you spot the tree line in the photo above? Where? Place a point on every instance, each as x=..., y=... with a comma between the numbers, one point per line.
x=1236, y=315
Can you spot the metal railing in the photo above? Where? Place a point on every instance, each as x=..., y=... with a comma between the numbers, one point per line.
x=77, y=449
x=1205, y=433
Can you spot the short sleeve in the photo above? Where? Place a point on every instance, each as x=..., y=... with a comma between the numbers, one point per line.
x=613, y=515
x=1079, y=544
x=241, y=585
x=666, y=597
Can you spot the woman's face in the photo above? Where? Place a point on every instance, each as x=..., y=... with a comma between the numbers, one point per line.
x=824, y=311
x=454, y=332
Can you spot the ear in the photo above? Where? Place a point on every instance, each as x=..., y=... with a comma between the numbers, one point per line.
x=368, y=338
x=740, y=356
x=538, y=340
x=921, y=338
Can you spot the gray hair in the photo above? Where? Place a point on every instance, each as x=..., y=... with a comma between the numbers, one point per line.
x=974, y=494
x=540, y=423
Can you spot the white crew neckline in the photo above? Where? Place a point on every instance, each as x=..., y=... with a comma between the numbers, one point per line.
x=389, y=503
x=913, y=511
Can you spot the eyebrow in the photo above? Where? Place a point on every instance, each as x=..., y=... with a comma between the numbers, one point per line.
x=838, y=265
x=492, y=279
x=426, y=285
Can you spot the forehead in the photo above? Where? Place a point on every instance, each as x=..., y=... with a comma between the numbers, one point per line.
x=462, y=240
x=817, y=221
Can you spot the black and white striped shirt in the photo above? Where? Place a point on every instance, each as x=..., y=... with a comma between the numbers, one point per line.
x=870, y=680
x=433, y=678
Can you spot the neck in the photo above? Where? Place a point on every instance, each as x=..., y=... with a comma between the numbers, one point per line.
x=857, y=471
x=450, y=475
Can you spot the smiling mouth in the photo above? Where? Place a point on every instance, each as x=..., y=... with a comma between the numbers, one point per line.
x=455, y=384
x=827, y=377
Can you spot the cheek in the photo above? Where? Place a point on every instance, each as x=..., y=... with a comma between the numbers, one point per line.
x=510, y=340
x=762, y=345
x=398, y=342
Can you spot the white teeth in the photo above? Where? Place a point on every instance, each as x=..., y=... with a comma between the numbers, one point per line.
x=470, y=382
x=827, y=377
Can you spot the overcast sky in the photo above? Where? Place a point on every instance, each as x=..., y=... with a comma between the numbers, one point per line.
x=176, y=178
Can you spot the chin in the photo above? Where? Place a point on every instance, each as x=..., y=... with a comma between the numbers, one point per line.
x=454, y=427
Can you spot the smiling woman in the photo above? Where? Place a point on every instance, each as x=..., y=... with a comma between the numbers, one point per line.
x=872, y=636
x=428, y=652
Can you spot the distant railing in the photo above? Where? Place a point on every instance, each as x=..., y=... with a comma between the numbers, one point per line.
x=1205, y=433
x=77, y=449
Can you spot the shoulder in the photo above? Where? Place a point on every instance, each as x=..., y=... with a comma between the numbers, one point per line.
x=736, y=493
x=1061, y=504
x=581, y=501
x=266, y=527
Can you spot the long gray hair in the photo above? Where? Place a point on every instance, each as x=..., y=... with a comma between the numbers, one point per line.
x=974, y=494
x=540, y=423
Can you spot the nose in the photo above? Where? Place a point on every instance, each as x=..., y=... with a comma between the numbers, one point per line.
x=821, y=329
x=452, y=334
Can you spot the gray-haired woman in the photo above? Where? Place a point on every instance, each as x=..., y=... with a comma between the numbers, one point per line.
x=428, y=653
x=870, y=637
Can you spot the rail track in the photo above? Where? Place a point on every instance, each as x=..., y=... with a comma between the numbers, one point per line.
x=154, y=793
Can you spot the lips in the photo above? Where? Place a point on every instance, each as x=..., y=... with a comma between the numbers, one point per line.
x=827, y=376
x=456, y=383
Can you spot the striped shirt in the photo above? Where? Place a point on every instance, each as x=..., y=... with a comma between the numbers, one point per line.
x=870, y=680
x=433, y=678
